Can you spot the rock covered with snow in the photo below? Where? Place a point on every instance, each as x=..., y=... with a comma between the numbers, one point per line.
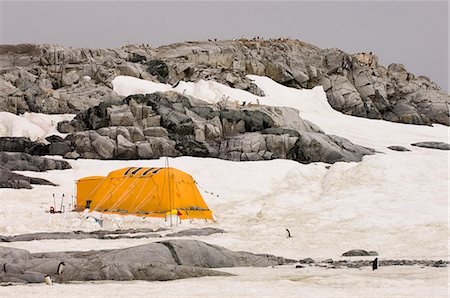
x=50, y=79
x=172, y=124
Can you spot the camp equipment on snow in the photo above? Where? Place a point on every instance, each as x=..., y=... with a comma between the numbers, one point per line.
x=159, y=192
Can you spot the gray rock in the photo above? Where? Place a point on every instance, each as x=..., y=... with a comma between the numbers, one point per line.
x=100, y=234
x=156, y=132
x=59, y=148
x=398, y=148
x=47, y=79
x=196, y=232
x=196, y=128
x=129, y=69
x=125, y=148
x=9, y=179
x=26, y=162
x=307, y=261
x=165, y=260
x=104, y=147
x=70, y=78
x=433, y=145
x=72, y=155
x=359, y=253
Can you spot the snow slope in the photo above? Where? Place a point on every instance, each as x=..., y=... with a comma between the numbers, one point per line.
x=393, y=202
x=31, y=125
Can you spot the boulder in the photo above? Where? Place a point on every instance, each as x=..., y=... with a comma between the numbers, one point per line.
x=164, y=260
x=104, y=147
x=59, y=148
x=359, y=253
x=398, y=148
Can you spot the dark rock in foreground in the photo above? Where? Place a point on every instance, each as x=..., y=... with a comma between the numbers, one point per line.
x=398, y=148
x=359, y=253
x=433, y=145
x=165, y=260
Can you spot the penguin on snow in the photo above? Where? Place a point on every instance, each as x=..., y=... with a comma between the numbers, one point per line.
x=375, y=264
x=48, y=280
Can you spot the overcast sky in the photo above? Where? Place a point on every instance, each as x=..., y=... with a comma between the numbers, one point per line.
x=412, y=33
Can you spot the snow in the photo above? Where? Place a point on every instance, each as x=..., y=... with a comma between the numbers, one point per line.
x=409, y=281
x=31, y=125
x=395, y=203
x=124, y=85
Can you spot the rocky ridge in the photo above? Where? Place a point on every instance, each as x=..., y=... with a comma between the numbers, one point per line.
x=164, y=260
x=172, y=124
x=55, y=79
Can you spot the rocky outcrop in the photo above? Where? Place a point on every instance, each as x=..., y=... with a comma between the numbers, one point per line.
x=359, y=253
x=100, y=234
x=13, y=161
x=171, y=124
x=433, y=145
x=54, y=79
x=398, y=148
x=196, y=232
x=9, y=179
x=53, y=145
x=25, y=162
x=165, y=260
x=343, y=264
x=106, y=235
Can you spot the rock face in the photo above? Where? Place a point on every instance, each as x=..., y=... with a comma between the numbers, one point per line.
x=165, y=260
x=54, y=79
x=171, y=124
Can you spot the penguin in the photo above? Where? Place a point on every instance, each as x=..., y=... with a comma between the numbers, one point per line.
x=60, y=268
x=48, y=280
x=289, y=233
x=4, y=267
x=375, y=264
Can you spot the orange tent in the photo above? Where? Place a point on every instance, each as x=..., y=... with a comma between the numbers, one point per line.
x=143, y=191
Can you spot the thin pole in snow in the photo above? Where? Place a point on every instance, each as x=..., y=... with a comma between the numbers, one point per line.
x=62, y=201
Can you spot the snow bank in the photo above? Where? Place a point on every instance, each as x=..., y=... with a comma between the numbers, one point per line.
x=124, y=85
x=31, y=125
